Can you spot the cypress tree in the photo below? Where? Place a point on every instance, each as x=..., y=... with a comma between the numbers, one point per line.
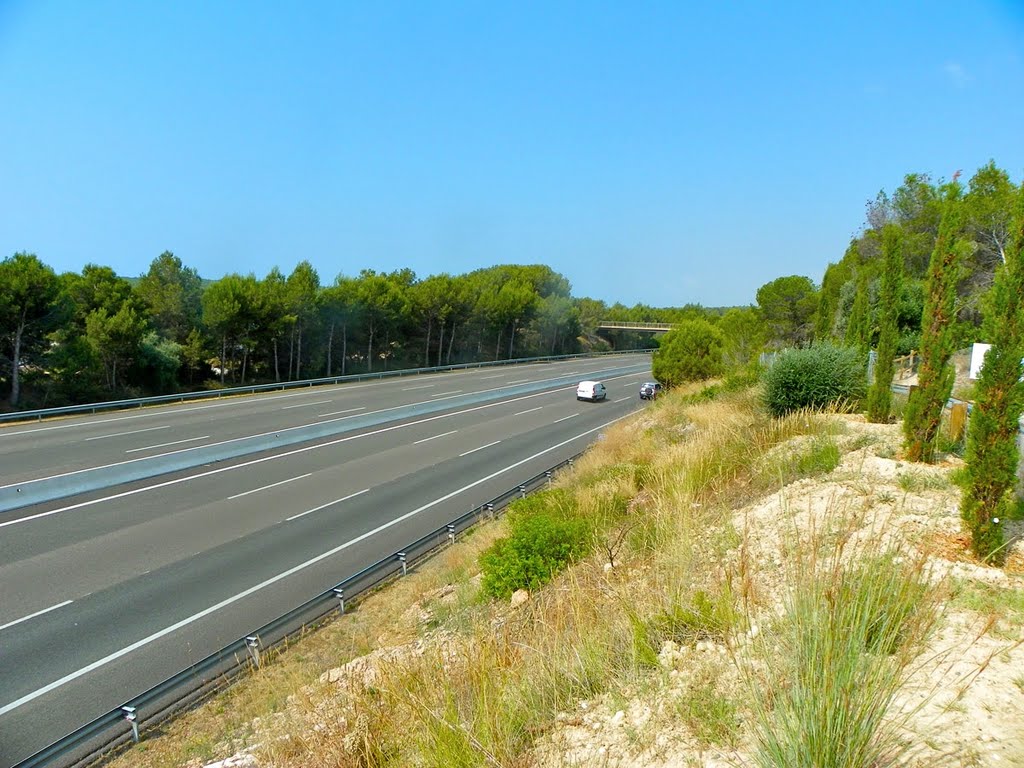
x=935, y=375
x=858, y=327
x=880, y=396
x=992, y=453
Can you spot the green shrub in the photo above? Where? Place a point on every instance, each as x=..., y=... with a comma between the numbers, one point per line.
x=709, y=714
x=820, y=458
x=691, y=351
x=742, y=378
x=706, y=618
x=644, y=475
x=821, y=376
x=544, y=537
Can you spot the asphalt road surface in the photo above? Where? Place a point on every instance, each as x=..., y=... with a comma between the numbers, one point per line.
x=104, y=595
x=30, y=451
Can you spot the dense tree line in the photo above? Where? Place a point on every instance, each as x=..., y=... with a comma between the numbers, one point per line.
x=936, y=267
x=77, y=337
x=92, y=335
x=848, y=304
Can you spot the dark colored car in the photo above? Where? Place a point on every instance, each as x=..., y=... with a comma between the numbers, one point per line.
x=649, y=390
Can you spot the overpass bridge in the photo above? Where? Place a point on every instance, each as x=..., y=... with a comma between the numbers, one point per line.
x=622, y=325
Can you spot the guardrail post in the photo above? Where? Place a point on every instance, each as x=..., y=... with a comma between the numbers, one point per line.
x=451, y=533
x=252, y=642
x=401, y=559
x=340, y=594
x=133, y=721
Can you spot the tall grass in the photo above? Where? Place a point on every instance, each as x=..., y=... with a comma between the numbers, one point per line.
x=592, y=631
x=856, y=615
x=487, y=681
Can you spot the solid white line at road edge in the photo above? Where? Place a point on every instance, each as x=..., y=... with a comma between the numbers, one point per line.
x=37, y=613
x=274, y=579
x=268, y=487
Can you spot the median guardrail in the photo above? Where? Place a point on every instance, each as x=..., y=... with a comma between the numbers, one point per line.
x=126, y=724
x=44, y=489
x=138, y=402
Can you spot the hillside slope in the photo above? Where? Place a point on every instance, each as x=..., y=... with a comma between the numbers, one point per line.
x=712, y=625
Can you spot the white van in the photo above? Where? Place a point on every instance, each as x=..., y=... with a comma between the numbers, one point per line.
x=591, y=390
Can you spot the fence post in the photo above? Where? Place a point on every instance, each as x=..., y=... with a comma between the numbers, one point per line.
x=340, y=594
x=133, y=721
x=957, y=422
x=252, y=642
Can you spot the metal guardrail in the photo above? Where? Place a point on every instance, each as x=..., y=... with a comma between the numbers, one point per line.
x=42, y=413
x=44, y=489
x=122, y=725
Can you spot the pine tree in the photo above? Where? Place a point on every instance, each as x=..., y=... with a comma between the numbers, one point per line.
x=992, y=454
x=880, y=396
x=935, y=375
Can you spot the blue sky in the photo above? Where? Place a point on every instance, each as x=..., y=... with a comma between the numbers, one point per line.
x=662, y=153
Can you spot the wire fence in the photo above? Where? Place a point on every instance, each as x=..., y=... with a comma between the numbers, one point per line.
x=126, y=724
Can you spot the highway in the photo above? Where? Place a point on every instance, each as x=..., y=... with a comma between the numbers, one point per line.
x=84, y=453
x=105, y=594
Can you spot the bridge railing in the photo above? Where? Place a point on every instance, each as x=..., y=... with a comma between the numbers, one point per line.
x=629, y=325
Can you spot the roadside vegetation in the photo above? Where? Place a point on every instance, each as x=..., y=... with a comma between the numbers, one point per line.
x=748, y=572
x=710, y=585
